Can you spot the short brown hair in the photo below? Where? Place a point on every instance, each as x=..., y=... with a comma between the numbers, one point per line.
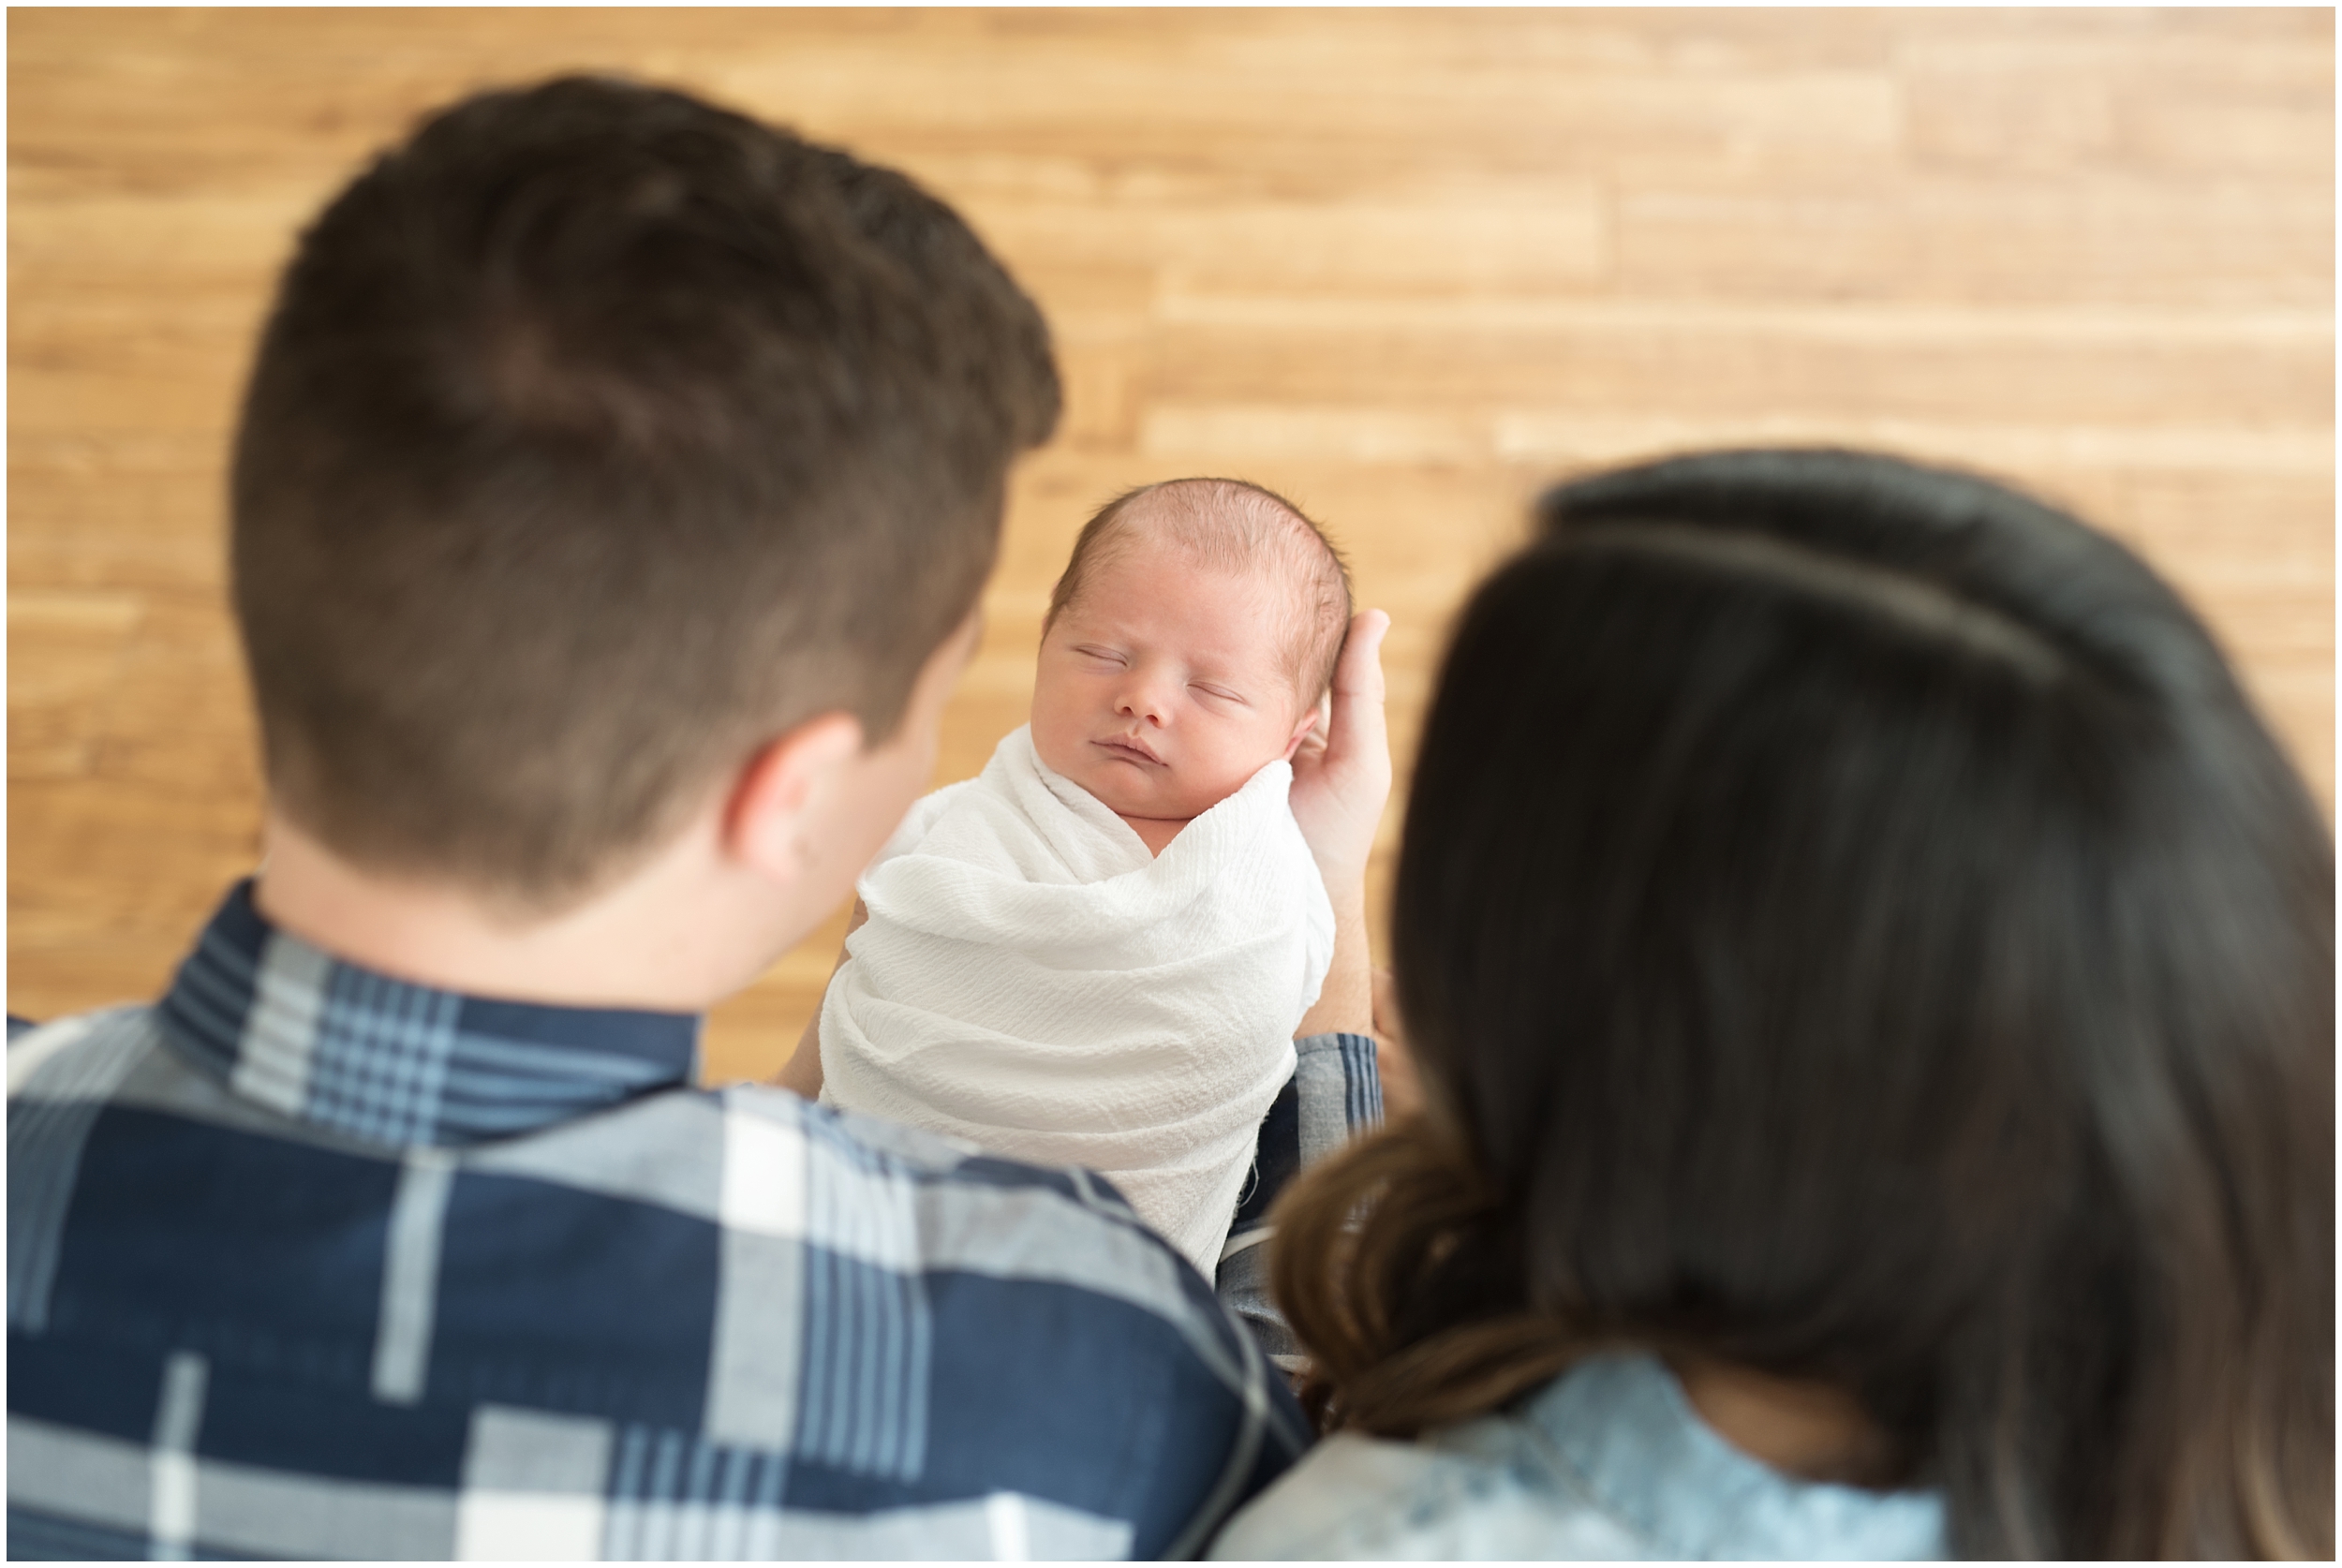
x=1234, y=524
x=597, y=436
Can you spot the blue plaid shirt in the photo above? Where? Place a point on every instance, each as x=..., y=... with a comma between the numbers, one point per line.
x=306, y=1262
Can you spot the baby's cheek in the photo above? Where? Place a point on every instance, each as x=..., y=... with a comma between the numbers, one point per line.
x=1059, y=757
x=1049, y=726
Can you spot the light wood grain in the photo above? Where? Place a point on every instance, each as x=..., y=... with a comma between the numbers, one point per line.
x=1407, y=266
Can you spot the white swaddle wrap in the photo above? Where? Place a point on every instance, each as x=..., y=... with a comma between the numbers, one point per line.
x=1031, y=979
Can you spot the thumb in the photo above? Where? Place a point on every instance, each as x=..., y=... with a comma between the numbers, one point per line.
x=1358, y=716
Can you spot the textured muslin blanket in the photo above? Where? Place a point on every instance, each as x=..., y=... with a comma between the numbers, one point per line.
x=1033, y=979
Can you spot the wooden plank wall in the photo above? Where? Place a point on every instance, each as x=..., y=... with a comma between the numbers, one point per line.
x=1407, y=266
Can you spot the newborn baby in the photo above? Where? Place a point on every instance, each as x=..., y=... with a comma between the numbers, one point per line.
x=1095, y=954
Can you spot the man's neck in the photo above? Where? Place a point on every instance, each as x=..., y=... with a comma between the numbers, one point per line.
x=628, y=947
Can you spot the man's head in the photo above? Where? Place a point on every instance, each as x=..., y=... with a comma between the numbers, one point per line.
x=598, y=438
x=1189, y=643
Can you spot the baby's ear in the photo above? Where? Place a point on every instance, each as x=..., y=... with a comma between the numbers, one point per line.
x=1316, y=719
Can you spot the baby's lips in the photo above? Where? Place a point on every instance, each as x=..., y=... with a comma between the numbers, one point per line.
x=1126, y=743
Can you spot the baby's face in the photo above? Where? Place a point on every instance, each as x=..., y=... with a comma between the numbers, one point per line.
x=1162, y=688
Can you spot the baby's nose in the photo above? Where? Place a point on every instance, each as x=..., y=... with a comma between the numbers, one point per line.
x=1145, y=700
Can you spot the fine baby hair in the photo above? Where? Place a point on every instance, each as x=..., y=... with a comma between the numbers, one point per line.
x=1853, y=925
x=1232, y=524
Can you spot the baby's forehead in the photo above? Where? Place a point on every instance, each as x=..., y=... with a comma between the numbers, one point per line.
x=1256, y=609
x=1224, y=528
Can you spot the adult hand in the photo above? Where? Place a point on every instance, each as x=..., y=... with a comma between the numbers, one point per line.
x=1402, y=1090
x=1341, y=773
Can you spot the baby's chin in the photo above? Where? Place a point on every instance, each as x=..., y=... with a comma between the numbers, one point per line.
x=1172, y=799
x=1127, y=790
x=1128, y=796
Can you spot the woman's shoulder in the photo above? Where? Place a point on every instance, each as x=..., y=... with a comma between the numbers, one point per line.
x=1370, y=1499
x=1608, y=1461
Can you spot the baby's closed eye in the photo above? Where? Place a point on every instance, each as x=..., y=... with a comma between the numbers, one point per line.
x=1219, y=693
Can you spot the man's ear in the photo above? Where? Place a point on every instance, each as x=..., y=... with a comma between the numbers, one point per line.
x=1312, y=719
x=764, y=821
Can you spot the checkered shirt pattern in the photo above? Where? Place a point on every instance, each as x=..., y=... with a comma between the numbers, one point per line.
x=306, y=1262
x=1335, y=1093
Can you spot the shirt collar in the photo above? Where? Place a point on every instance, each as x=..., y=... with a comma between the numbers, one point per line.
x=328, y=1041
x=1621, y=1423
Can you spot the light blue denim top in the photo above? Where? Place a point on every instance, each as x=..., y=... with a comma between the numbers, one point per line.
x=1607, y=1461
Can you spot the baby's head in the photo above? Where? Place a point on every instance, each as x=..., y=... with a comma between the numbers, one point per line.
x=1188, y=644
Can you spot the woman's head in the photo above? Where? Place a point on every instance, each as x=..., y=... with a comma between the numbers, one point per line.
x=1851, y=924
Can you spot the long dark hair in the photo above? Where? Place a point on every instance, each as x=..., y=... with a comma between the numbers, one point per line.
x=1853, y=925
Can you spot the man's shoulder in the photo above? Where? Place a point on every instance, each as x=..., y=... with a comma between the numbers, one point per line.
x=998, y=1248
x=748, y=1160
x=888, y=1328
x=40, y=1054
